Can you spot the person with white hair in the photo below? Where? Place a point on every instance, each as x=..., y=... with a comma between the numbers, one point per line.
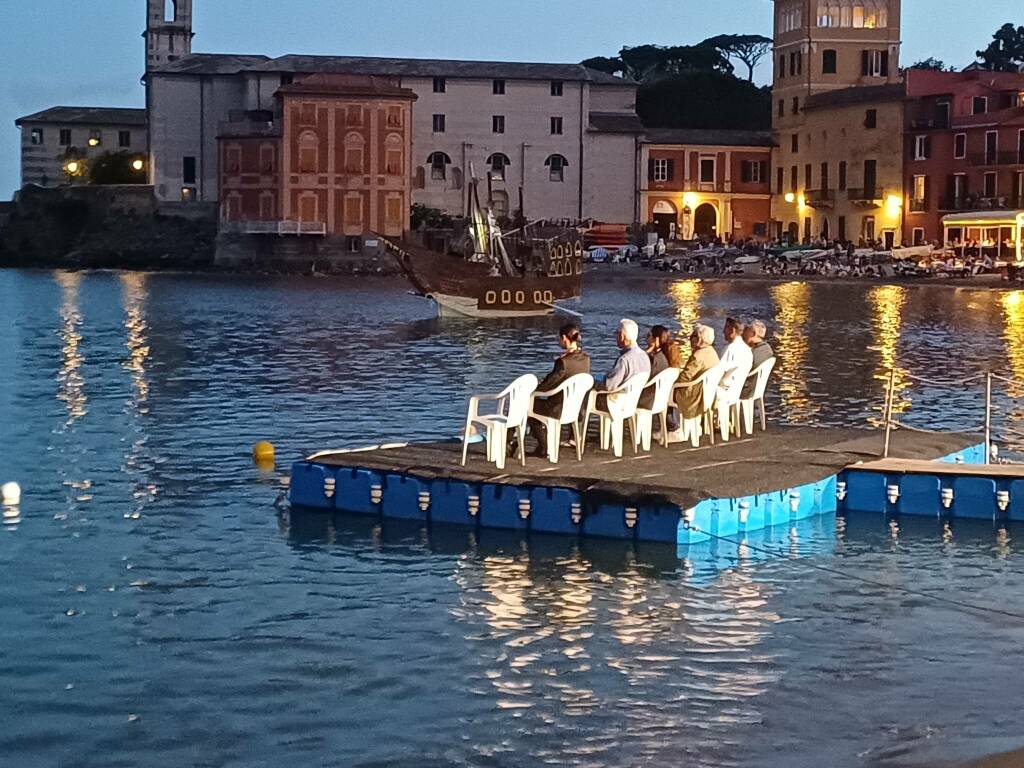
x=761, y=351
x=632, y=360
x=690, y=400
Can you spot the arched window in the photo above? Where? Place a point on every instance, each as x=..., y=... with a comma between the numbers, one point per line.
x=498, y=163
x=354, y=143
x=309, y=146
x=394, y=157
x=556, y=167
x=439, y=162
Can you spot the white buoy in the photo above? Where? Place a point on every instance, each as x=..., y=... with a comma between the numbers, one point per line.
x=10, y=493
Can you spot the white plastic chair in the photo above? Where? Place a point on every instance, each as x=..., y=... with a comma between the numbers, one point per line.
x=622, y=404
x=574, y=391
x=513, y=405
x=727, y=402
x=693, y=428
x=662, y=388
x=760, y=375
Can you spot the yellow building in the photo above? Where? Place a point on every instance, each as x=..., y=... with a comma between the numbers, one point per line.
x=838, y=119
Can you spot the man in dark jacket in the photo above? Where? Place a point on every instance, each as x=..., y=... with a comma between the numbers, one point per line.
x=754, y=335
x=570, y=363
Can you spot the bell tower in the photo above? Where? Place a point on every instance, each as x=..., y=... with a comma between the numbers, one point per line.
x=168, y=31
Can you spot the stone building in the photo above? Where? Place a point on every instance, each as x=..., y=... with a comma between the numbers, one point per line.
x=53, y=137
x=337, y=156
x=964, y=147
x=837, y=116
x=557, y=140
x=701, y=183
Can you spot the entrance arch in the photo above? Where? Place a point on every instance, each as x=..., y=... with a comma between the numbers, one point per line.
x=705, y=221
x=665, y=218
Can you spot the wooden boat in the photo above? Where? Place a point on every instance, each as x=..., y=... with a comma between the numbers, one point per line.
x=494, y=274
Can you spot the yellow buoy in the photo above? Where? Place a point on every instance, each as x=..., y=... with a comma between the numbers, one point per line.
x=263, y=452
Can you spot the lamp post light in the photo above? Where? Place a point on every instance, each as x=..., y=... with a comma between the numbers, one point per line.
x=138, y=164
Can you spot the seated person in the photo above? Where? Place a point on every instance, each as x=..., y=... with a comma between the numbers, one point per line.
x=571, y=362
x=631, y=362
x=760, y=350
x=737, y=357
x=659, y=361
x=690, y=400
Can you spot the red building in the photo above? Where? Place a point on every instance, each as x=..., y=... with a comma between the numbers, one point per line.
x=699, y=183
x=964, y=147
x=334, y=157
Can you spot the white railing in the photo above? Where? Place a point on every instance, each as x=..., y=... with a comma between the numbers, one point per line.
x=279, y=228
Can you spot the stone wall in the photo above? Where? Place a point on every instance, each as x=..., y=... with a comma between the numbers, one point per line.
x=306, y=254
x=103, y=226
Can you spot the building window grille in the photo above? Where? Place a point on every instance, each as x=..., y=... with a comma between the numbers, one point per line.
x=661, y=169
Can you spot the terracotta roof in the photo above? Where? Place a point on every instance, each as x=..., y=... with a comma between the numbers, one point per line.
x=858, y=94
x=709, y=137
x=615, y=122
x=484, y=70
x=87, y=116
x=210, y=64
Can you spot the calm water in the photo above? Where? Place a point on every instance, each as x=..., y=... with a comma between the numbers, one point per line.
x=156, y=609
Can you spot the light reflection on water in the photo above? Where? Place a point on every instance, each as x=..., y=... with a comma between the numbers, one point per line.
x=209, y=623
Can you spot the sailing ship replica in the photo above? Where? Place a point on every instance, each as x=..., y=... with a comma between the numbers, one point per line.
x=492, y=274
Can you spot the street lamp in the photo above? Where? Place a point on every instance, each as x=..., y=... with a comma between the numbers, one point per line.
x=138, y=165
x=71, y=168
x=790, y=197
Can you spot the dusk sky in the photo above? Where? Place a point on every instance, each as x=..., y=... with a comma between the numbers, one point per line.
x=61, y=52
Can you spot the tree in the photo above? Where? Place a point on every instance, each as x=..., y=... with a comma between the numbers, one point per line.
x=704, y=100
x=1006, y=51
x=931, y=63
x=115, y=168
x=610, y=64
x=749, y=49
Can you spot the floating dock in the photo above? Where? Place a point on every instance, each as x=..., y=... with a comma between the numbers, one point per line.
x=678, y=495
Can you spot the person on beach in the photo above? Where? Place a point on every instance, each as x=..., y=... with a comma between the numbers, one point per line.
x=571, y=362
x=737, y=359
x=760, y=350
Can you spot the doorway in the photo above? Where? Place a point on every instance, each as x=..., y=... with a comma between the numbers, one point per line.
x=705, y=221
x=665, y=221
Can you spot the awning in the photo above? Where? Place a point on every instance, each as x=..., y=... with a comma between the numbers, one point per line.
x=984, y=219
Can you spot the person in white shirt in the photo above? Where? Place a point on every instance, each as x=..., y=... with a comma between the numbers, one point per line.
x=737, y=359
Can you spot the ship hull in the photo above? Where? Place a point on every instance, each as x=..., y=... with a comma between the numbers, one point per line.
x=461, y=288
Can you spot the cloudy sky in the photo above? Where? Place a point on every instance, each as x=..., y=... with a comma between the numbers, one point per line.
x=90, y=52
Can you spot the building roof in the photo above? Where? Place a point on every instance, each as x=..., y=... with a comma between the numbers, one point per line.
x=87, y=116
x=483, y=70
x=709, y=137
x=210, y=64
x=615, y=122
x=366, y=86
x=858, y=94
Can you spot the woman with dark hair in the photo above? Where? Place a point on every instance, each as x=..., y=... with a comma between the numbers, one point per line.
x=570, y=363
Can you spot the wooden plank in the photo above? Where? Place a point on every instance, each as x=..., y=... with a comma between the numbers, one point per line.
x=940, y=468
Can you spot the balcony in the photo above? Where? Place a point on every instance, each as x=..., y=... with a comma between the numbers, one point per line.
x=869, y=197
x=990, y=159
x=918, y=206
x=974, y=202
x=933, y=123
x=820, y=198
x=280, y=228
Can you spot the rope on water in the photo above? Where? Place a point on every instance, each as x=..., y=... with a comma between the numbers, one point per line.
x=947, y=383
x=952, y=601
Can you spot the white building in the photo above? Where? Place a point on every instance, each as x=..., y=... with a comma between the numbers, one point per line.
x=55, y=136
x=561, y=138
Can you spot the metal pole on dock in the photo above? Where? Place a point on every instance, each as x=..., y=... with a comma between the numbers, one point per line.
x=887, y=412
x=988, y=418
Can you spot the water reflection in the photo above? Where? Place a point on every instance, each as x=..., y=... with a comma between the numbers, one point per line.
x=887, y=324
x=686, y=296
x=70, y=382
x=134, y=294
x=792, y=317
